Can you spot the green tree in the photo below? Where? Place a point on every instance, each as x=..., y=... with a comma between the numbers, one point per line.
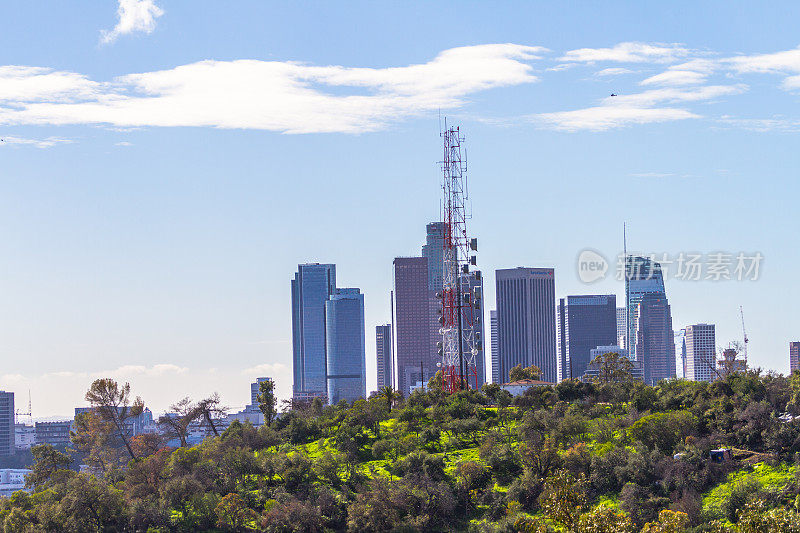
x=111, y=401
x=668, y=522
x=563, y=498
x=233, y=513
x=613, y=368
x=518, y=373
x=175, y=424
x=47, y=461
x=604, y=520
x=267, y=400
x=389, y=394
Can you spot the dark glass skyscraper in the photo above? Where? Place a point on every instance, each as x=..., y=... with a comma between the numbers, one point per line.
x=433, y=251
x=584, y=323
x=312, y=285
x=643, y=276
x=383, y=355
x=344, y=338
x=526, y=320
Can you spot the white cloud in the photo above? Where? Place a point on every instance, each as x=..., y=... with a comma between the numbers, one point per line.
x=762, y=125
x=288, y=97
x=133, y=16
x=675, y=78
x=633, y=109
x=629, y=52
x=33, y=84
x=123, y=143
x=606, y=117
x=10, y=140
x=653, y=174
x=613, y=71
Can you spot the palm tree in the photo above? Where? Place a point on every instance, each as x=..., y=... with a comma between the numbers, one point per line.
x=390, y=395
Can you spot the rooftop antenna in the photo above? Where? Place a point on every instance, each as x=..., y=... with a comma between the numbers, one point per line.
x=627, y=290
x=744, y=334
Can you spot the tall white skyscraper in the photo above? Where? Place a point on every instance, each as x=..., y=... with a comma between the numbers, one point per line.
x=622, y=317
x=495, y=347
x=526, y=320
x=701, y=352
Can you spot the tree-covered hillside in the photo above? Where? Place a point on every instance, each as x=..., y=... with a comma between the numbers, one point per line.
x=582, y=457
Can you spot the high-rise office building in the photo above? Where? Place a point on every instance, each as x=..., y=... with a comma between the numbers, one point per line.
x=584, y=322
x=794, y=356
x=414, y=306
x=526, y=320
x=312, y=286
x=622, y=319
x=655, y=341
x=643, y=276
x=433, y=251
x=495, y=348
x=345, y=342
x=383, y=355
x=680, y=353
x=7, y=423
x=701, y=352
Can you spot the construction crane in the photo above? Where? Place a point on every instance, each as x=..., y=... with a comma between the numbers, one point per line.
x=744, y=334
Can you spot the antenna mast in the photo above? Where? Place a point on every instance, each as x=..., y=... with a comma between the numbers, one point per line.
x=460, y=345
x=744, y=334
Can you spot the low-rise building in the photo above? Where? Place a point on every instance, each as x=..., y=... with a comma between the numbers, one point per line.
x=12, y=480
x=24, y=436
x=519, y=387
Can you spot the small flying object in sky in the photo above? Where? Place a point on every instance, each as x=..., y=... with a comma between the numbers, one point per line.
x=612, y=94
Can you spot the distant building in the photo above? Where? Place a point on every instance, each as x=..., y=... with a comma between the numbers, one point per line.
x=526, y=320
x=255, y=390
x=7, y=433
x=701, y=350
x=680, y=353
x=472, y=285
x=495, y=348
x=55, y=434
x=794, y=356
x=12, y=480
x=730, y=362
x=584, y=322
x=24, y=436
x=519, y=387
x=383, y=355
x=344, y=338
x=622, y=321
x=602, y=350
x=312, y=285
x=655, y=339
x=414, y=305
x=433, y=251
x=592, y=372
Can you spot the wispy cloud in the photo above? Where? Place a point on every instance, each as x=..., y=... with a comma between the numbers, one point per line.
x=660, y=175
x=629, y=52
x=287, y=97
x=675, y=78
x=613, y=71
x=10, y=140
x=123, y=143
x=133, y=16
x=762, y=125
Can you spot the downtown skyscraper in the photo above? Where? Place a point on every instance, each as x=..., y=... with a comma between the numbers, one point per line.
x=383, y=355
x=584, y=323
x=344, y=340
x=312, y=285
x=415, y=325
x=327, y=336
x=526, y=320
x=701, y=352
x=650, y=338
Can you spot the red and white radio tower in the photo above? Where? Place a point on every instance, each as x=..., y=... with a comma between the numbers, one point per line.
x=460, y=343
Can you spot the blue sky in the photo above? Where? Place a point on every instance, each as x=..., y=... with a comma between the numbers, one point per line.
x=166, y=165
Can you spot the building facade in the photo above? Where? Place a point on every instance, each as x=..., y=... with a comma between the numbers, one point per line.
x=655, y=340
x=680, y=353
x=312, y=285
x=55, y=434
x=433, y=251
x=584, y=322
x=383, y=355
x=701, y=352
x=622, y=325
x=255, y=390
x=345, y=339
x=495, y=347
x=794, y=356
x=414, y=304
x=7, y=432
x=526, y=320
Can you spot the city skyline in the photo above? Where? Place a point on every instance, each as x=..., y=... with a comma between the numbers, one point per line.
x=153, y=244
